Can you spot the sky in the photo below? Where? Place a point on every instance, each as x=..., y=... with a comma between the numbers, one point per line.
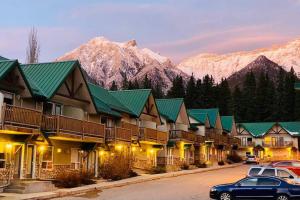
x=174, y=28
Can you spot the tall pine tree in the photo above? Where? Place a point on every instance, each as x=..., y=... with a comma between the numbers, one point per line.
x=191, y=93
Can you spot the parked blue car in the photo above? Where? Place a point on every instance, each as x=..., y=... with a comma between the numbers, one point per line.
x=257, y=187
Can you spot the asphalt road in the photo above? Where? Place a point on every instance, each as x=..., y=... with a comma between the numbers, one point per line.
x=188, y=187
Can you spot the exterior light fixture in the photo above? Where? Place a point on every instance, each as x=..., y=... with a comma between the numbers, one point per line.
x=133, y=149
x=9, y=145
x=58, y=150
x=101, y=153
x=42, y=148
x=119, y=147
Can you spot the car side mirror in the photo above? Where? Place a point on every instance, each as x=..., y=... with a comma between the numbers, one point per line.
x=291, y=177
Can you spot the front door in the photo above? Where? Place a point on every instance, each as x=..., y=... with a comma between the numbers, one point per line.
x=30, y=160
x=17, y=161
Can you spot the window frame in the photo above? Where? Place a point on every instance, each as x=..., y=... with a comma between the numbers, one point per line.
x=48, y=162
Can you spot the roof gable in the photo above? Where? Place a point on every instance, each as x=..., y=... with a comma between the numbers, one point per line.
x=6, y=66
x=200, y=117
x=293, y=128
x=257, y=129
x=101, y=94
x=169, y=108
x=212, y=114
x=46, y=78
x=227, y=123
x=134, y=100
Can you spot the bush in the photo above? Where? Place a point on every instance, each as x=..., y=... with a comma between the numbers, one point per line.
x=234, y=158
x=221, y=163
x=69, y=179
x=158, y=170
x=185, y=166
x=201, y=165
x=117, y=167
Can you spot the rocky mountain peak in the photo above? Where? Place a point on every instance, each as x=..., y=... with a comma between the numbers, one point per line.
x=131, y=43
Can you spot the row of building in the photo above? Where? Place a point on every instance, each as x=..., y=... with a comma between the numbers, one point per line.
x=53, y=120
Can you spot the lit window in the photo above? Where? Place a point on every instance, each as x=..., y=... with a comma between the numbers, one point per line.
x=75, y=159
x=47, y=159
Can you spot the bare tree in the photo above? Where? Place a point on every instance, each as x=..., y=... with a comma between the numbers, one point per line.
x=33, y=49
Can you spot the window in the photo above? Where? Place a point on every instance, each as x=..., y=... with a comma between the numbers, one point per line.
x=2, y=160
x=75, y=158
x=47, y=158
x=254, y=171
x=104, y=120
x=249, y=182
x=268, y=172
x=283, y=174
x=52, y=108
x=170, y=156
x=268, y=182
x=58, y=109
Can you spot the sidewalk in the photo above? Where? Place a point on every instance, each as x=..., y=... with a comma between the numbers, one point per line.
x=109, y=184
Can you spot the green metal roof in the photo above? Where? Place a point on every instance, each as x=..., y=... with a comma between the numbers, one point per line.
x=257, y=129
x=227, y=123
x=297, y=86
x=46, y=78
x=169, y=108
x=212, y=114
x=292, y=128
x=200, y=117
x=6, y=66
x=134, y=100
x=105, y=97
x=104, y=108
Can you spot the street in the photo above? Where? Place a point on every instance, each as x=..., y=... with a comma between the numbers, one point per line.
x=195, y=187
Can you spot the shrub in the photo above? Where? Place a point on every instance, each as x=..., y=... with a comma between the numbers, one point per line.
x=117, y=167
x=201, y=165
x=185, y=166
x=234, y=158
x=69, y=179
x=158, y=170
x=221, y=163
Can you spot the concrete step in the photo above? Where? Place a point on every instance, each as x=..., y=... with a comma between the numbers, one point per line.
x=25, y=186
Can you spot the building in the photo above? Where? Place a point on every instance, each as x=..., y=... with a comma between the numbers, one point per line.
x=269, y=140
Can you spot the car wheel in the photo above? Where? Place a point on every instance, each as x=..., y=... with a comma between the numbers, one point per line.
x=225, y=196
x=282, y=197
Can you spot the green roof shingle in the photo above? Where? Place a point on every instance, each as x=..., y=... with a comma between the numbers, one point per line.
x=46, y=78
x=292, y=128
x=134, y=100
x=227, y=123
x=200, y=117
x=297, y=86
x=257, y=129
x=212, y=114
x=169, y=108
x=6, y=66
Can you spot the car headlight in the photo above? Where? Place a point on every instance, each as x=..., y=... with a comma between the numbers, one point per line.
x=213, y=189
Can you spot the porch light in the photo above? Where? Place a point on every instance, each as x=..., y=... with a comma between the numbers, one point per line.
x=9, y=146
x=151, y=151
x=58, y=150
x=101, y=153
x=42, y=148
x=119, y=147
x=133, y=149
x=112, y=154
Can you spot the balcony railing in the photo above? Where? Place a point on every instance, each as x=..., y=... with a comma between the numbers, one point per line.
x=63, y=124
x=153, y=135
x=247, y=144
x=22, y=117
x=134, y=128
x=185, y=135
x=278, y=144
x=118, y=133
x=200, y=139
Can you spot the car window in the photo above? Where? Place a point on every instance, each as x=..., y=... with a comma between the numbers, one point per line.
x=268, y=182
x=254, y=171
x=284, y=164
x=268, y=172
x=248, y=182
x=283, y=173
x=296, y=164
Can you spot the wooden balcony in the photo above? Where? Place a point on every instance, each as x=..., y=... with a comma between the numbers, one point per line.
x=247, y=144
x=21, y=119
x=278, y=144
x=113, y=134
x=199, y=139
x=153, y=135
x=59, y=124
x=182, y=135
x=134, y=128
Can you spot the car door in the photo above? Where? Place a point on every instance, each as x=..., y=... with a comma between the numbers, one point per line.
x=266, y=188
x=244, y=189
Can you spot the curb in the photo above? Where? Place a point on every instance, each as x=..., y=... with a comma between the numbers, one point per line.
x=109, y=185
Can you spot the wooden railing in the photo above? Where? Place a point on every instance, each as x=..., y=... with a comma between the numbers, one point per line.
x=278, y=144
x=152, y=135
x=59, y=123
x=118, y=133
x=134, y=128
x=180, y=134
x=200, y=139
x=23, y=117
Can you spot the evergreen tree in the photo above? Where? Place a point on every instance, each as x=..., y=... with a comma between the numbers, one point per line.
x=130, y=86
x=224, y=97
x=177, y=90
x=237, y=107
x=289, y=98
x=157, y=91
x=125, y=82
x=261, y=91
x=279, y=97
x=114, y=86
x=297, y=105
x=191, y=93
x=147, y=84
x=207, y=89
x=249, y=98
x=269, y=100
x=136, y=84
x=199, y=94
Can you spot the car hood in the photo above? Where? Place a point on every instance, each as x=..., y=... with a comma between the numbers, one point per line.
x=223, y=185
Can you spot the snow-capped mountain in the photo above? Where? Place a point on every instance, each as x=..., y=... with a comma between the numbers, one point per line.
x=105, y=61
x=219, y=66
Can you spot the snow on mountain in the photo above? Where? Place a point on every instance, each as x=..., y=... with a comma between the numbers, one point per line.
x=219, y=66
x=105, y=61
